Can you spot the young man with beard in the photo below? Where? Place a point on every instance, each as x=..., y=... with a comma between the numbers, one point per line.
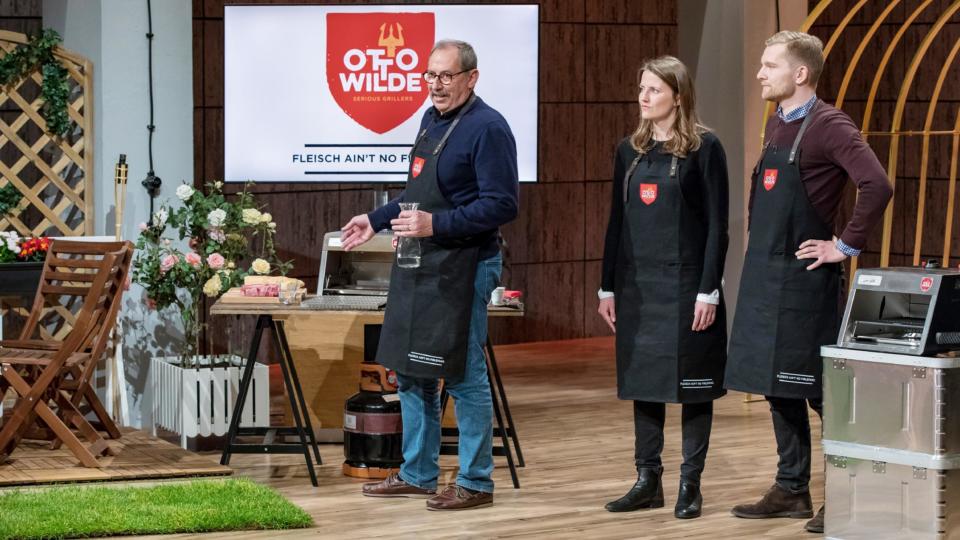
x=790, y=290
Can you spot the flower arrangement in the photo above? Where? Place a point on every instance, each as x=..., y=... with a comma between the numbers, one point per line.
x=14, y=248
x=221, y=234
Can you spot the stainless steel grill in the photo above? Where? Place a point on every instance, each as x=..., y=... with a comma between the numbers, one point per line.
x=903, y=310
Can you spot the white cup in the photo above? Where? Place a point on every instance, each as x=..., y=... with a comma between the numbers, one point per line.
x=496, y=297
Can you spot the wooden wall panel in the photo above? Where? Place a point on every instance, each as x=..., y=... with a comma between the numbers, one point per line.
x=607, y=124
x=551, y=224
x=598, y=200
x=561, y=156
x=589, y=53
x=561, y=62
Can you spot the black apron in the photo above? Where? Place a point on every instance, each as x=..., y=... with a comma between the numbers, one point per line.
x=659, y=265
x=784, y=311
x=426, y=325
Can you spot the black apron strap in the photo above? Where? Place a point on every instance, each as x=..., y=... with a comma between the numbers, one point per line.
x=453, y=125
x=803, y=129
x=633, y=166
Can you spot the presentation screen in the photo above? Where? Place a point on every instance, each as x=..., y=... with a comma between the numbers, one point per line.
x=336, y=93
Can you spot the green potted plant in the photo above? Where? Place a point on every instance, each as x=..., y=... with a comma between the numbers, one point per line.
x=186, y=254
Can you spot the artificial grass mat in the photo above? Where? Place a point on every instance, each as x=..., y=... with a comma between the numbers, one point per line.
x=190, y=507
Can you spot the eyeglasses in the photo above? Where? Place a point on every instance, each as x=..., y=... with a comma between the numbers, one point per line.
x=445, y=77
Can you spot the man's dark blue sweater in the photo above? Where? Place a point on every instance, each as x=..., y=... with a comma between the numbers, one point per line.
x=477, y=173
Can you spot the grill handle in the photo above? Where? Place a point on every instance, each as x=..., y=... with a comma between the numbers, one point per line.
x=948, y=338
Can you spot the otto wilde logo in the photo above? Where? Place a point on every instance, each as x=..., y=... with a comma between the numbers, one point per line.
x=925, y=284
x=648, y=193
x=417, y=166
x=769, y=179
x=374, y=65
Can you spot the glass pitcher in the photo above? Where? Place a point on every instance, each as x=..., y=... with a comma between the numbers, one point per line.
x=408, y=249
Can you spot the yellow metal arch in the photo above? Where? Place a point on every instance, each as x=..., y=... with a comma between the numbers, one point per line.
x=948, y=230
x=925, y=154
x=898, y=117
x=855, y=60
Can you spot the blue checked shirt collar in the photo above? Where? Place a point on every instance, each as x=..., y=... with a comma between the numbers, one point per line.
x=797, y=113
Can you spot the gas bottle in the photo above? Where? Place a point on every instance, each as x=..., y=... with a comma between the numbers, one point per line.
x=372, y=426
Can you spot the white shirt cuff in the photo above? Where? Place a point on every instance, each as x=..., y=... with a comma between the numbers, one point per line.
x=712, y=298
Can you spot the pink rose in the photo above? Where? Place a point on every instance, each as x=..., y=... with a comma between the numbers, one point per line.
x=168, y=262
x=216, y=261
x=193, y=259
x=142, y=226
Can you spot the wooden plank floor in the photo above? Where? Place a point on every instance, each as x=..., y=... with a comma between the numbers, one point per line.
x=139, y=456
x=577, y=439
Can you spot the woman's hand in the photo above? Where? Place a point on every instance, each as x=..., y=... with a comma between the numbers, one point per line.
x=608, y=312
x=703, y=316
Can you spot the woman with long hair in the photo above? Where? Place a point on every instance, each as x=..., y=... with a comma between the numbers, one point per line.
x=661, y=288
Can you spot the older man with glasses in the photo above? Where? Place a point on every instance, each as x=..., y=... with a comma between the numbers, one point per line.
x=463, y=174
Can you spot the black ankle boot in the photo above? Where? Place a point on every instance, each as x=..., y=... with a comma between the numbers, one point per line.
x=689, y=501
x=646, y=493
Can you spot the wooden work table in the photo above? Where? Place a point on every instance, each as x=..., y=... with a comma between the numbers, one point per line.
x=326, y=348
x=320, y=352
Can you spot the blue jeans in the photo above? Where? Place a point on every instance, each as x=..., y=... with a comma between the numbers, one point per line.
x=420, y=405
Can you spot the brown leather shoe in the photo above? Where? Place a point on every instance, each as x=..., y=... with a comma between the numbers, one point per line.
x=815, y=525
x=393, y=486
x=459, y=498
x=777, y=502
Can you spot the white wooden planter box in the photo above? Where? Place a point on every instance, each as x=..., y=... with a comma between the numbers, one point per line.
x=199, y=401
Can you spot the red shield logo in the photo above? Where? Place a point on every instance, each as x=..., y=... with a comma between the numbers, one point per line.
x=648, y=193
x=417, y=166
x=769, y=179
x=925, y=284
x=375, y=63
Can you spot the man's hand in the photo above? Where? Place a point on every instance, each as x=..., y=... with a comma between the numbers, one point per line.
x=824, y=251
x=608, y=312
x=704, y=313
x=413, y=223
x=357, y=231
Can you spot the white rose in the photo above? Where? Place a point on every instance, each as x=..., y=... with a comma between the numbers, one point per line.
x=250, y=216
x=212, y=286
x=184, y=192
x=260, y=266
x=217, y=217
x=266, y=217
x=160, y=217
x=272, y=225
x=218, y=184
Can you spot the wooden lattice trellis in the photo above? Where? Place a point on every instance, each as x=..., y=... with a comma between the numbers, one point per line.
x=55, y=175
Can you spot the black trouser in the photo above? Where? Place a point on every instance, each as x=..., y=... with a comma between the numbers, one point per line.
x=791, y=425
x=648, y=420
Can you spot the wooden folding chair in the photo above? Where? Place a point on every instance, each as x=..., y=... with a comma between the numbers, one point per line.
x=40, y=333
x=35, y=374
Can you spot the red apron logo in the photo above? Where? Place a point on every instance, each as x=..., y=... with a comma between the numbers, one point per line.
x=417, y=166
x=769, y=179
x=374, y=65
x=648, y=193
x=925, y=284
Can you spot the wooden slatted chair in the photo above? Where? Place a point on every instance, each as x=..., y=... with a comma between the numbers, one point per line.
x=39, y=331
x=35, y=374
